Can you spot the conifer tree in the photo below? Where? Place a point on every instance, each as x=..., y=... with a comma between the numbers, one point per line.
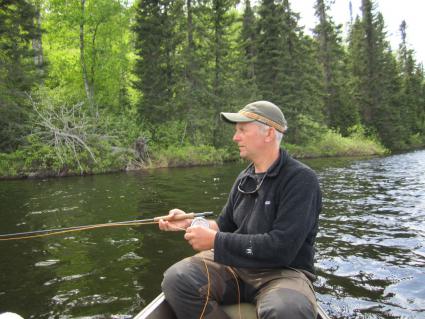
x=269, y=50
x=299, y=78
x=17, y=70
x=340, y=114
x=214, y=43
x=287, y=71
x=377, y=82
x=248, y=38
x=155, y=48
x=193, y=98
x=412, y=83
x=222, y=88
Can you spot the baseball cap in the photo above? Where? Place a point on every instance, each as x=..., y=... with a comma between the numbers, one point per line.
x=261, y=111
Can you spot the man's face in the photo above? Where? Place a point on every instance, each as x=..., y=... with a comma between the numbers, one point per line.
x=250, y=139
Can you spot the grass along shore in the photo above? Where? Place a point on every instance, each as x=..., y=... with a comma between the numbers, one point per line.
x=45, y=161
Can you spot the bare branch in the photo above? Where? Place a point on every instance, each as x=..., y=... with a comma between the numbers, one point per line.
x=66, y=128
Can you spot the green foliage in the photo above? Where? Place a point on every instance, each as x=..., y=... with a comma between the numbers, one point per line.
x=92, y=42
x=40, y=159
x=161, y=71
x=248, y=44
x=188, y=155
x=309, y=130
x=66, y=140
x=334, y=144
x=11, y=164
x=270, y=53
x=170, y=133
x=286, y=66
x=17, y=71
x=122, y=128
x=339, y=112
x=417, y=141
x=155, y=48
x=378, y=91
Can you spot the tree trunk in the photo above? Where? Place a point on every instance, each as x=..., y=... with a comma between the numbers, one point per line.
x=190, y=46
x=37, y=44
x=325, y=59
x=88, y=88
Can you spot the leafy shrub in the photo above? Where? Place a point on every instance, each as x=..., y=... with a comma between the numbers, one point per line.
x=188, y=155
x=334, y=144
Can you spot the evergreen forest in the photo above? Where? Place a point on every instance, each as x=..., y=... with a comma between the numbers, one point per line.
x=91, y=86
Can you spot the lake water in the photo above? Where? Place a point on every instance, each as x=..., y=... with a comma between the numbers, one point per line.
x=370, y=248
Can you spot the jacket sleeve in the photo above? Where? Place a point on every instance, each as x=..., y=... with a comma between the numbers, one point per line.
x=296, y=218
x=225, y=219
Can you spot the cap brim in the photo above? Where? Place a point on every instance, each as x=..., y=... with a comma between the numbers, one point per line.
x=235, y=118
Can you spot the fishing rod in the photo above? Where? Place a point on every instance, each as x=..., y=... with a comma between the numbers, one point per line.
x=56, y=231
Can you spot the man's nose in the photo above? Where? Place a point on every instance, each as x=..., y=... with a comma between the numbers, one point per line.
x=236, y=137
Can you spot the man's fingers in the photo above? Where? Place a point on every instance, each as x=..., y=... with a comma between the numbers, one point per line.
x=162, y=225
x=175, y=211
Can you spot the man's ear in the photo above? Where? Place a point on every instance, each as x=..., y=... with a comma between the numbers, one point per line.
x=270, y=136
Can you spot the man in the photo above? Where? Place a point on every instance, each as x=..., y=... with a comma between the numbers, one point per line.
x=264, y=235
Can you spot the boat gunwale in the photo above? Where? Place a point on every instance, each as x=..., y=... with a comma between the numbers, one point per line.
x=158, y=304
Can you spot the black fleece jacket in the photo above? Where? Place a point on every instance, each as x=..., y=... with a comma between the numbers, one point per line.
x=275, y=227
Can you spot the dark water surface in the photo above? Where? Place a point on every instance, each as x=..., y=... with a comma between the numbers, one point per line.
x=370, y=250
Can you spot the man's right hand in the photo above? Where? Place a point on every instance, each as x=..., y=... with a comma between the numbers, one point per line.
x=170, y=225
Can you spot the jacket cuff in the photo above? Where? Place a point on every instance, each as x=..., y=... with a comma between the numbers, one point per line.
x=219, y=246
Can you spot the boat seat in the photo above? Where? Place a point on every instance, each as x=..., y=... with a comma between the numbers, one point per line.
x=248, y=311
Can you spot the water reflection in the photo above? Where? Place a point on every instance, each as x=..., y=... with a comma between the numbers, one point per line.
x=370, y=250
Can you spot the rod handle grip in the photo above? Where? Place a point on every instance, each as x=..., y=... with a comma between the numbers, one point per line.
x=175, y=217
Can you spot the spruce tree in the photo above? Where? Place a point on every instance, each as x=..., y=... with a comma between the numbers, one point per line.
x=340, y=114
x=412, y=83
x=222, y=88
x=248, y=38
x=17, y=70
x=213, y=22
x=192, y=73
x=287, y=71
x=155, y=48
x=299, y=78
x=377, y=83
x=269, y=50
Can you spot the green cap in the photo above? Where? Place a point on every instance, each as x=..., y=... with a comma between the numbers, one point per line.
x=261, y=111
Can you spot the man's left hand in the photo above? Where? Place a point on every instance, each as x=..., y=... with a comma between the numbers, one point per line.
x=200, y=238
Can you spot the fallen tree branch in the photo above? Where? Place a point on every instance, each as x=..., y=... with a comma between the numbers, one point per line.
x=64, y=127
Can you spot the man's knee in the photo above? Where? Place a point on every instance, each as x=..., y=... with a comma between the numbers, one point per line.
x=176, y=277
x=185, y=285
x=289, y=304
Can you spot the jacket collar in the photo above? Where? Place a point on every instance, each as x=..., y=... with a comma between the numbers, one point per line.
x=274, y=169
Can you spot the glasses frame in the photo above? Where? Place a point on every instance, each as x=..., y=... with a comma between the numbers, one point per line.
x=256, y=188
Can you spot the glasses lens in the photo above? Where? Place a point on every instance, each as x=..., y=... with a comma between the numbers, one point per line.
x=249, y=185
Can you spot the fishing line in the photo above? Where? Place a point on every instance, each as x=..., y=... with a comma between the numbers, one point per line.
x=58, y=231
x=149, y=221
x=199, y=221
x=207, y=298
x=208, y=290
x=239, y=291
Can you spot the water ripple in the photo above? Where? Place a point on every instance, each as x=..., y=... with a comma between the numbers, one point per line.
x=371, y=253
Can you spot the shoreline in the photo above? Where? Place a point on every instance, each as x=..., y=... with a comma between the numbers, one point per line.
x=15, y=167
x=159, y=165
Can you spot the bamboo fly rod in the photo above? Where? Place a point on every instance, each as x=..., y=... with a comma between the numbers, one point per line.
x=57, y=231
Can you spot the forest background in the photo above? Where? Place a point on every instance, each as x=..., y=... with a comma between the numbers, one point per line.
x=90, y=86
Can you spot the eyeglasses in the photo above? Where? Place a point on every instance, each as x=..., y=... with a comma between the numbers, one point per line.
x=246, y=192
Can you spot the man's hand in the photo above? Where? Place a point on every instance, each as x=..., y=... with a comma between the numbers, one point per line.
x=170, y=225
x=200, y=238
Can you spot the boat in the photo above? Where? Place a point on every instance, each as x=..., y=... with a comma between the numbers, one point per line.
x=160, y=309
